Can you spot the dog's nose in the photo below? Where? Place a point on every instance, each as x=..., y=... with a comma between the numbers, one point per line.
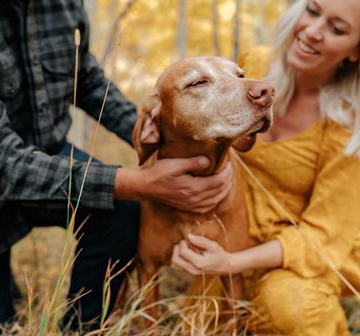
x=261, y=94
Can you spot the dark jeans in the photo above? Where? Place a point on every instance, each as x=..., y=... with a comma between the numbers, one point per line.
x=107, y=235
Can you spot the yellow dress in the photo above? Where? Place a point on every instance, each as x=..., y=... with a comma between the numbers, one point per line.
x=320, y=187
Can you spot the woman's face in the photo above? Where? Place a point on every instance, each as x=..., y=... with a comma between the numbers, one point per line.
x=327, y=32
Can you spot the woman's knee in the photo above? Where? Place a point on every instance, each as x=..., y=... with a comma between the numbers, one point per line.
x=294, y=304
x=279, y=294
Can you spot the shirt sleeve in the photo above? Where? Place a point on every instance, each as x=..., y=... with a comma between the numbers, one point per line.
x=119, y=114
x=332, y=219
x=27, y=174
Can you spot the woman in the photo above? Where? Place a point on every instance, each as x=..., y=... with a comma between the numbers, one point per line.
x=309, y=161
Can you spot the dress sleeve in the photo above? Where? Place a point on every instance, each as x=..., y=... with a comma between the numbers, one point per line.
x=332, y=219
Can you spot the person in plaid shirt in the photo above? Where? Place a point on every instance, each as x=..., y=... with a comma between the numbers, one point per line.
x=37, y=61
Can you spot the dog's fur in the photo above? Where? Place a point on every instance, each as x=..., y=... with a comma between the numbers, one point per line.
x=200, y=105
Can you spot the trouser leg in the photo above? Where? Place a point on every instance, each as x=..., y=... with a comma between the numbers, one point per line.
x=111, y=236
x=15, y=290
x=7, y=310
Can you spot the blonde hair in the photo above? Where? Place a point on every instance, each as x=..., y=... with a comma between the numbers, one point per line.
x=339, y=100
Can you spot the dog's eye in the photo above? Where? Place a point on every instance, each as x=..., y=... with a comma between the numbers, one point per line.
x=197, y=83
x=240, y=75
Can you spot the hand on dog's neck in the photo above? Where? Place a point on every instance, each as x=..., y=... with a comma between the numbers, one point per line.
x=216, y=152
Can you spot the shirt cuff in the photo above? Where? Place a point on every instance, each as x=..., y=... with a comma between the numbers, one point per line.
x=293, y=247
x=99, y=186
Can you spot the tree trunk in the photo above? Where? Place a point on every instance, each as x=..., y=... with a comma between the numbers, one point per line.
x=90, y=6
x=115, y=29
x=290, y=2
x=182, y=30
x=215, y=26
x=236, y=31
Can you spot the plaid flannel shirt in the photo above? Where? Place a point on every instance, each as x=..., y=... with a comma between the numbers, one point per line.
x=37, y=61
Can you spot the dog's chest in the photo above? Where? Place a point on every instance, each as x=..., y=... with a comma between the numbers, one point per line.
x=204, y=226
x=164, y=219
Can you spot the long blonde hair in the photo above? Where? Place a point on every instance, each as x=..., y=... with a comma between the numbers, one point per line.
x=339, y=100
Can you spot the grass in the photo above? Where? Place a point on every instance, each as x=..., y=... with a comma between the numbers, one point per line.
x=38, y=276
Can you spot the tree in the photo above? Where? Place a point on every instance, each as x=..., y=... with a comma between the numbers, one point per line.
x=114, y=32
x=182, y=30
x=236, y=31
x=215, y=27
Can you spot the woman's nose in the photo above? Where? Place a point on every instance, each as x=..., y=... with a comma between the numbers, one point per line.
x=314, y=30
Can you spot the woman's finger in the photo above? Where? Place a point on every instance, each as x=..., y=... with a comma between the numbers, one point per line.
x=180, y=263
x=196, y=259
x=203, y=242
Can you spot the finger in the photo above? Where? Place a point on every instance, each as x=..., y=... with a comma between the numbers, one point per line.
x=211, y=197
x=175, y=257
x=175, y=252
x=220, y=196
x=193, y=258
x=215, y=181
x=194, y=164
x=181, y=264
x=212, y=190
x=220, y=193
x=202, y=242
x=206, y=205
x=199, y=203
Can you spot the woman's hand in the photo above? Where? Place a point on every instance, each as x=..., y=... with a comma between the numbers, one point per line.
x=213, y=260
x=169, y=182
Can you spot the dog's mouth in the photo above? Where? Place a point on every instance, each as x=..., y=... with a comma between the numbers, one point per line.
x=260, y=126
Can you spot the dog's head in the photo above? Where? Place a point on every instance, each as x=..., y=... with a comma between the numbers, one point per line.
x=203, y=99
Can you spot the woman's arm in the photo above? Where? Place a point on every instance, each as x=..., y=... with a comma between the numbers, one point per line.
x=215, y=260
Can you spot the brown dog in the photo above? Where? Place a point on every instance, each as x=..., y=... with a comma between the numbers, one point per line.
x=200, y=105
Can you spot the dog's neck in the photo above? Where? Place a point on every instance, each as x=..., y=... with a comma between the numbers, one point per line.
x=216, y=152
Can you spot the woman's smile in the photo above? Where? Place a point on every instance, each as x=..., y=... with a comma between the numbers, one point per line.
x=305, y=48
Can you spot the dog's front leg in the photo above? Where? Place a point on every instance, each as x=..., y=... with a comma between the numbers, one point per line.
x=234, y=286
x=149, y=288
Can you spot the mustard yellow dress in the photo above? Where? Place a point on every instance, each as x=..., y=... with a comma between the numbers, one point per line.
x=320, y=187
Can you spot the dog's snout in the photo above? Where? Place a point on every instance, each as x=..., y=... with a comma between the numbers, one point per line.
x=261, y=94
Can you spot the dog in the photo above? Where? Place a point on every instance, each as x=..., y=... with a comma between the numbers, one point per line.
x=200, y=106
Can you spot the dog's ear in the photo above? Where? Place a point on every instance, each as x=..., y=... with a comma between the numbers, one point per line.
x=146, y=133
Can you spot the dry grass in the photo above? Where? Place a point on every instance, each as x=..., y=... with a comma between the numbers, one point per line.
x=37, y=261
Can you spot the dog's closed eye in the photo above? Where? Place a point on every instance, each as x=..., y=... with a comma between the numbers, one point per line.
x=197, y=83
